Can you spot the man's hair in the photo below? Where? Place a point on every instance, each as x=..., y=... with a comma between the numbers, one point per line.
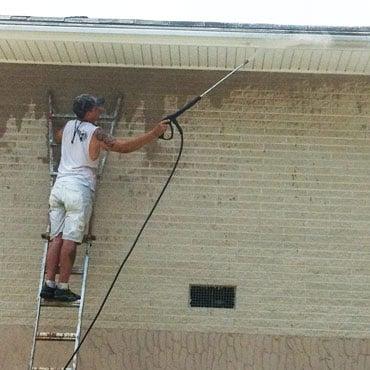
x=84, y=103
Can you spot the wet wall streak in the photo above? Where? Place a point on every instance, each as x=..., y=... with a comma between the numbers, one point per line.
x=23, y=85
x=145, y=89
x=12, y=110
x=20, y=86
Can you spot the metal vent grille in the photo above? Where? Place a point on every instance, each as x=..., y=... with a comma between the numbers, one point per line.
x=217, y=296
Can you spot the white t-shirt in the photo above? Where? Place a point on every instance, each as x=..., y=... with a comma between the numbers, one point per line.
x=75, y=163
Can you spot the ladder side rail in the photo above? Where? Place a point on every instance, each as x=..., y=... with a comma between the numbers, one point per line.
x=89, y=243
x=50, y=141
x=50, y=136
x=113, y=124
x=82, y=302
x=103, y=117
x=37, y=319
x=104, y=159
x=111, y=132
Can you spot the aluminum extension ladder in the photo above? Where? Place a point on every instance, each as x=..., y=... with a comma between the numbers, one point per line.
x=42, y=304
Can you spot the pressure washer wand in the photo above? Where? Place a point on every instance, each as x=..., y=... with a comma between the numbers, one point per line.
x=172, y=117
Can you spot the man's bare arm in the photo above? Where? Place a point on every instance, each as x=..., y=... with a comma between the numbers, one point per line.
x=108, y=142
x=58, y=134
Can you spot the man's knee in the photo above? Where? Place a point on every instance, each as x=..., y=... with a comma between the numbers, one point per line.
x=57, y=240
x=69, y=246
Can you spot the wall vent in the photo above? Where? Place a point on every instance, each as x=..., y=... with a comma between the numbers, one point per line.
x=217, y=296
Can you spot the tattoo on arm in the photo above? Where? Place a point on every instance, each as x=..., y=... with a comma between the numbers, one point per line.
x=107, y=139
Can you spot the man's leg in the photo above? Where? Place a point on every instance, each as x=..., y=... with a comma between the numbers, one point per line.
x=56, y=217
x=52, y=257
x=77, y=202
x=67, y=259
x=52, y=262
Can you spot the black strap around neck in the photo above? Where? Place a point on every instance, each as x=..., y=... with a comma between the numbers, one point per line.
x=75, y=131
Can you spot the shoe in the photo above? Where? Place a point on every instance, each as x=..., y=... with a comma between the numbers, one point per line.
x=65, y=295
x=47, y=292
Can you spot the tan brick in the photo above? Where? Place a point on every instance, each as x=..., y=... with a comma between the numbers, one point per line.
x=271, y=196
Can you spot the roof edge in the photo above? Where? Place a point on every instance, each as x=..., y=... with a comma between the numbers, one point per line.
x=84, y=21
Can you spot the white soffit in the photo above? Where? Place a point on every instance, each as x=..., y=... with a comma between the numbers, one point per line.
x=184, y=45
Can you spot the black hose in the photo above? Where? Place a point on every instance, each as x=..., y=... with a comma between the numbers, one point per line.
x=173, y=120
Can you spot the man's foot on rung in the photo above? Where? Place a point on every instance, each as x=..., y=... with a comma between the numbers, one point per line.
x=65, y=295
x=47, y=292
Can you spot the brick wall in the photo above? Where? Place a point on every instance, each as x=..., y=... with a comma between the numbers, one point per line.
x=272, y=195
x=135, y=349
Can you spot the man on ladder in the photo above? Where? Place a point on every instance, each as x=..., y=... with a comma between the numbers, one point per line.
x=73, y=191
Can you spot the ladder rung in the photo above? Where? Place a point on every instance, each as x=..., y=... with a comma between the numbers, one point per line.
x=86, y=238
x=47, y=303
x=51, y=368
x=56, y=336
x=103, y=117
x=77, y=270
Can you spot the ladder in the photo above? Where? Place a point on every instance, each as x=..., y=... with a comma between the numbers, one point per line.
x=82, y=271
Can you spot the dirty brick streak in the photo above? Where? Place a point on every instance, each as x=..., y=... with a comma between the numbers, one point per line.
x=272, y=196
x=164, y=350
x=141, y=350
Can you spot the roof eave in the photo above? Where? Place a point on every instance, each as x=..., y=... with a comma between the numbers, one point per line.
x=190, y=38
